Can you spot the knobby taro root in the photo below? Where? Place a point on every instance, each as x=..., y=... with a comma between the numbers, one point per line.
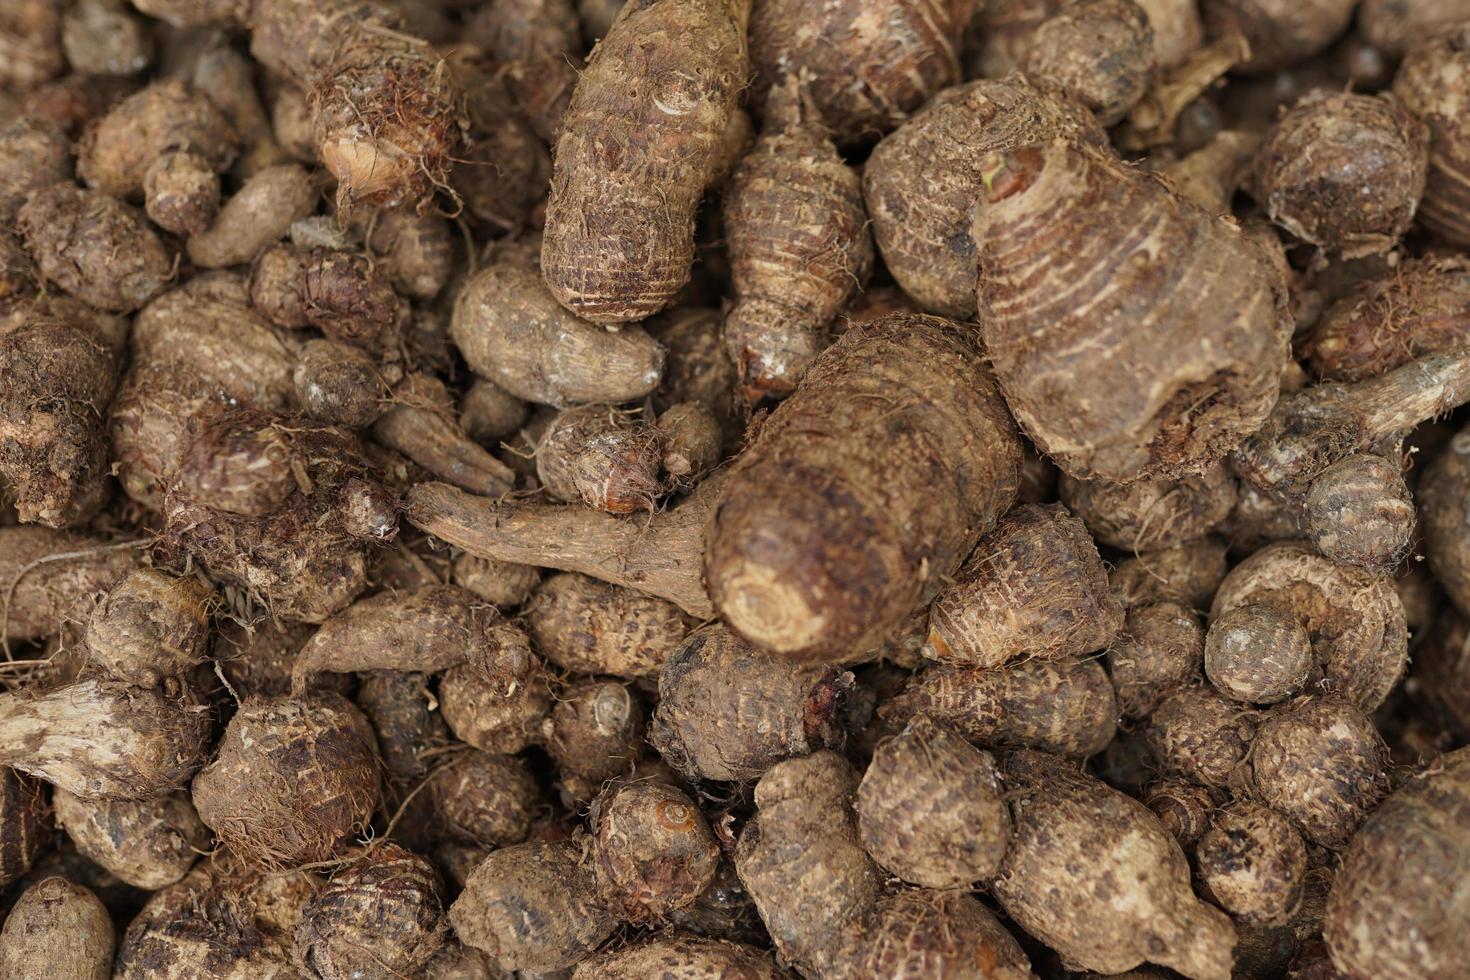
x=921, y=182
x=801, y=861
x=1067, y=708
x=338, y=292
x=1353, y=618
x=1319, y=158
x=799, y=244
x=49, y=577
x=918, y=932
x=655, y=852
x=1159, y=650
x=258, y=214
x=1398, y=909
x=930, y=808
x=182, y=191
x=1034, y=586
x=1320, y=761
x=61, y=925
x=1199, y=735
x=602, y=257
x=862, y=492
x=1150, y=514
x=594, y=733
x=25, y=823
x=904, y=50
x=503, y=584
x=415, y=251
x=1099, y=52
x=489, y=413
x=533, y=907
x=605, y=458
x=401, y=709
x=728, y=711
x=1441, y=497
x=692, y=438
x=382, y=916
x=338, y=384
x=591, y=627
x=679, y=955
x=1184, y=381
x=1187, y=574
x=495, y=720
x=1184, y=808
x=512, y=332
x=1281, y=32
x=1360, y=511
x=1094, y=875
x=147, y=843
x=292, y=781
x=1253, y=863
x=101, y=739
x=150, y=626
x=34, y=153
x=1258, y=653
x=484, y=799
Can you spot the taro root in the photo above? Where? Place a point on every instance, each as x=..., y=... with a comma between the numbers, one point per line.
x=381, y=917
x=34, y=153
x=50, y=577
x=679, y=955
x=400, y=707
x=150, y=626
x=1258, y=653
x=591, y=627
x=593, y=732
x=1281, y=33
x=257, y=214
x=1201, y=736
x=1398, y=908
x=57, y=929
x=918, y=932
x=533, y=907
x=495, y=720
x=1149, y=514
x=848, y=512
x=419, y=422
x=1253, y=863
x=801, y=860
x=692, y=439
x=1180, y=388
x=484, y=799
x=1099, y=52
x=25, y=823
x=539, y=45
x=602, y=457
x=1033, y=587
x=501, y=583
x=1184, y=808
x=1360, y=511
x=1319, y=760
x=655, y=852
x=1187, y=574
x=293, y=780
x=257, y=659
x=601, y=256
x=799, y=245
x=1441, y=497
x=1159, y=651
x=339, y=384
x=183, y=193
x=921, y=182
x=1321, y=157
x=727, y=711
x=488, y=413
x=1094, y=875
x=338, y=292
x=147, y=843
x=1431, y=83
x=930, y=808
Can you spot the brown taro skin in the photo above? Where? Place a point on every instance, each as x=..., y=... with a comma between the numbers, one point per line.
x=727, y=711
x=655, y=851
x=801, y=861
x=380, y=917
x=1360, y=511
x=484, y=799
x=1258, y=653
x=1094, y=875
x=25, y=823
x=930, y=808
x=1148, y=347
x=921, y=181
x=591, y=627
x=1320, y=761
x=922, y=933
x=1253, y=863
x=403, y=712
x=57, y=929
x=533, y=907
x=44, y=589
x=862, y=492
x=1394, y=25
x=1281, y=33
x=871, y=62
x=1398, y=909
x=1034, y=586
x=1344, y=171
x=1433, y=84
x=34, y=153
x=1422, y=307
x=1158, y=651
x=602, y=457
x=488, y=718
x=293, y=780
x=116, y=153
x=151, y=625
x=1187, y=574
x=639, y=143
x=1198, y=735
x=1148, y=514
x=147, y=843
x=1099, y=52
x=680, y=956
x=95, y=247
x=799, y=246
x=1441, y=498
x=1183, y=807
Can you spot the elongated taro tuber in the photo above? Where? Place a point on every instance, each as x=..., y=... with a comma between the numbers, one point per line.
x=591, y=627
x=1100, y=52
x=1149, y=514
x=655, y=851
x=1253, y=863
x=799, y=245
x=607, y=459
x=930, y=808
x=921, y=182
x=61, y=925
x=1178, y=389
x=727, y=711
x=420, y=423
x=602, y=257
x=147, y=843
x=259, y=213
x=850, y=510
x=292, y=781
x=1094, y=875
x=1034, y=586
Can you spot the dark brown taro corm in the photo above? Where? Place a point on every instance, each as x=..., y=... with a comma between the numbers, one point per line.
x=25, y=823
x=727, y=711
x=489, y=413
x=930, y=808
x=591, y=627
x=1320, y=761
x=1159, y=651
x=1442, y=671
x=1281, y=33
x=1253, y=863
x=495, y=719
x=338, y=384
x=1099, y=52
x=539, y=45
x=1441, y=496
x=1033, y=587
x=1187, y=574
x=1420, y=308
x=293, y=781
x=1360, y=511
x=1353, y=618
x=1398, y=906
x=34, y=153
x=533, y=907
x=1184, y=808
x=419, y=422
x=921, y=182
x=603, y=457
x=679, y=956
x=147, y=843
x=1432, y=84
x=1189, y=309
x=1067, y=708
x=654, y=850
x=484, y=799
x=503, y=584
x=183, y=193
x=1094, y=875
x=339, y=293
x=1259, y=653
x=57, y=929
x=799, y=245
x=1343, y=171
x=150, y=626
x=593, y=733
x=602, y=257
x=1149, y=514
x=400, y=706
x=801, y=861
x=918, y=932
x=381, y=917
x=862, y=492
x=1199, y=735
